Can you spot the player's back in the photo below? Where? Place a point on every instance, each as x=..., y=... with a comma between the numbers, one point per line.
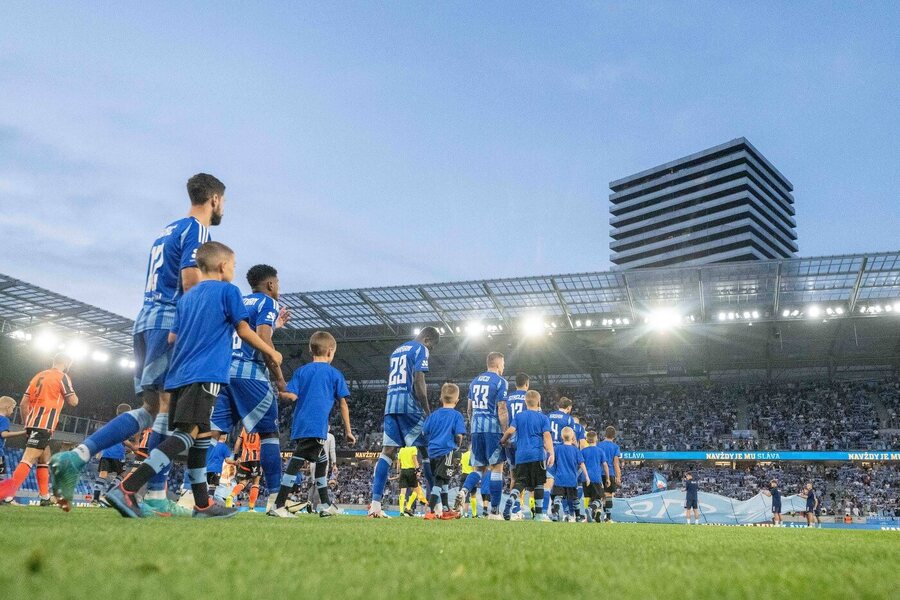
x=405, y=362
x=485, y=392
x=247, y=362
x=568, y=458
x=515, y=405
x=610, y=450
x=46, y=395
x=593, y=461
x=175, y=249
x=250, y=446
x=558, y=421
x=530, y=428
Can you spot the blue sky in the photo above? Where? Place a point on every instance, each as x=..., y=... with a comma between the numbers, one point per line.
x=371, y=143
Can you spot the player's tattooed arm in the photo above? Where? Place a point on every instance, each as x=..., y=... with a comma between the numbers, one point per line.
x=421, y=389
x=502, y=414
x=190, y=276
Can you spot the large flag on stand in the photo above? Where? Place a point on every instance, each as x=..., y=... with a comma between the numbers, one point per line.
x=660, y=483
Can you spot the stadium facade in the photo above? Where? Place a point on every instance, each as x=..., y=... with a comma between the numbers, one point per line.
x=723, y=204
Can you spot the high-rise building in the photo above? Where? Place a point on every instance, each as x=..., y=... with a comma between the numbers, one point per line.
x=727, y=203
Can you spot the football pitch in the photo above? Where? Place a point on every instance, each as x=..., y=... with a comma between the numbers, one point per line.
x=95, y=553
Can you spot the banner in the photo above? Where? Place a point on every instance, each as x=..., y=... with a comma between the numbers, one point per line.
x=668, y=507
x=768, y=455
x=660, y=483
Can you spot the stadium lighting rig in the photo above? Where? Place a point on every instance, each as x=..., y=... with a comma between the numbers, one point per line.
x=663, y=319
x=47, y=342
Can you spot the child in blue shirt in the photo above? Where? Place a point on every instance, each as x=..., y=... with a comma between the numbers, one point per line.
x=7, y=406
x=593, y=461
x=534, y=453
x=206, y=320
x=568, y=463
x=315, y=387
x=444, y=430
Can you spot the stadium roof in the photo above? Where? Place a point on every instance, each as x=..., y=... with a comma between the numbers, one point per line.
x=790, y=313
x=600, y=320
x=26, y=309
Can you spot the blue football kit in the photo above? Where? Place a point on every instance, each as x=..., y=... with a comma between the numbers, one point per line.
x=175, y=249
x=403, y=415
x=486, y=392
x=249, y=397
x=441, y=429
x=530, y=428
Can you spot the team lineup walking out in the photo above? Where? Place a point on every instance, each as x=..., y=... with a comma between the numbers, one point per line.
x=206, y=363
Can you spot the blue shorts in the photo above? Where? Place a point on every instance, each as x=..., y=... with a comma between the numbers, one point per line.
x=403, y=430
x=251, y=402
x=776, y=508
x=486, y=450
x=151, y=357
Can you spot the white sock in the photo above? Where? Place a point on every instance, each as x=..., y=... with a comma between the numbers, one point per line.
x=376, y=506
x=83, y=453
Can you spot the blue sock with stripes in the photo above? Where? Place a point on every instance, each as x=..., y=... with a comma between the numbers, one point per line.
x=118, y=430
x=156, y=487
x=270, y=461
x=496, y=491
x=379, y=480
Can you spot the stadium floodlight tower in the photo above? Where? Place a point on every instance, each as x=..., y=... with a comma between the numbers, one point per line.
x=726, y=203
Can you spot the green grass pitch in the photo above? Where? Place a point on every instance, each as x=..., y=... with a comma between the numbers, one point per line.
x=97, y=554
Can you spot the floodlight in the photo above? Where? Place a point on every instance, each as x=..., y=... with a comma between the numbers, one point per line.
x=77, y=349
x=786, y=313
x=100, y=356
x=663, y=318
x=839, y=310
x=474, y=328
x=417, y=331
x=755, y=314
x=46, y=341
x=814, y=311
x=533, y=325
x=123, y=362
x=588, y=323
x=577, y=323
x=722, y=316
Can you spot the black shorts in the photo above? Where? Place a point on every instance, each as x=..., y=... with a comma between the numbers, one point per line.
x=408, y=479
x=311, y=449
x=213, y=478
x=2, y=464
x=249, y=470
x=440, y=469
x=691, y=503
x=569, y=493
x=192, y=405
x=776, y=509
x=111, y=465
x=38, y=438
x=530, y=475
x=612, y=488
x=593, y=491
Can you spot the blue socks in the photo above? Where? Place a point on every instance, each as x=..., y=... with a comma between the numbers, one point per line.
x=546, y=503
x=426, y=471
x=382, y=470
x=471, y=482
x=496, y=491
x=270, y=461
x=118, y=430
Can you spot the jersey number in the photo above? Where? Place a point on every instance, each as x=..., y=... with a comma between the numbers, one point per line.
x=398, y=370
x=156, y=262
x=554, y=427
x=480, y=396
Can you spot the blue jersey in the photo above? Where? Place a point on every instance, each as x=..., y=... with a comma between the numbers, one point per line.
x=568, y=464
x=215, y=457
x=175, y=249
x=440, y=429
x=558, y=421
x=593, y=461
x=486, y=392
x=690, y=489
x=246, y=361
x=317, y=385
x=406, y=361
x=204, y=324
x=776, y=496
x=114, y=452
x=530, y=428
x=610, y=450
x=580, y=433
x=4, y=426
x=811, y=500
x=515, y=404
